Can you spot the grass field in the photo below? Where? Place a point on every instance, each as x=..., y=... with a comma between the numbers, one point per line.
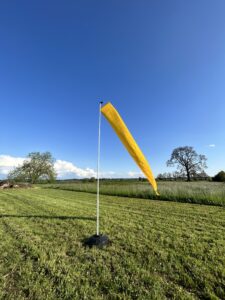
x=159, y=250
x=201, y=192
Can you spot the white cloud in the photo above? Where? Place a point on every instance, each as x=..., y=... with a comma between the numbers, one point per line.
x=212, y=145
x=10, y=161
x=135, y=174
x=7, y=163
x=65, y=168
x=109, y=174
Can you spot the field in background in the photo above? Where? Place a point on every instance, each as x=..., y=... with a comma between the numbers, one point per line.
x=202, y=192
x=159, y=249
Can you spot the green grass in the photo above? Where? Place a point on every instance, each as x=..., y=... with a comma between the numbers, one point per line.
x=160, y=250
x=201, y=192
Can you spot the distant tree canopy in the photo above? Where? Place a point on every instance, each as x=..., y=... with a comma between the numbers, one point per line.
x=37, y=166
x=180, y=176
x=220, y=177
x=188, y=162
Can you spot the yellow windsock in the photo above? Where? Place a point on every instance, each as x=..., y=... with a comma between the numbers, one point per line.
x=127, y=139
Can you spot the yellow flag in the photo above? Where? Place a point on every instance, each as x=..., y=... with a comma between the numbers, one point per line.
x=127, y=139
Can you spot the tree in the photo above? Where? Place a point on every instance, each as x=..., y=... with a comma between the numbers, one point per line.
x=220, y=177
x=37, y=166
x=187, y=161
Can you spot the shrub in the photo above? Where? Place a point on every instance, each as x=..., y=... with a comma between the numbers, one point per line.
x=220, y=177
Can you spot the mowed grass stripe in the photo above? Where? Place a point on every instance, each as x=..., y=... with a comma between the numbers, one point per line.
x=28, y=263
x=45, y=206
x=153, y=210
x=153, y=214
x=149, y=206
x=165, y=220
x=160, y=255
x=22, y=232
x=18, y=232
x=143, y=205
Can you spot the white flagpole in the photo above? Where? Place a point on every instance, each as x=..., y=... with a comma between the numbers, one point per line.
x=98, y=166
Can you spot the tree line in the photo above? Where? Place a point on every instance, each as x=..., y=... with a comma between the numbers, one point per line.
x=189, y=166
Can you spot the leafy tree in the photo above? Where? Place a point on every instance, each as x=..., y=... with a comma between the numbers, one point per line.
x=160, y=176
x=37, y=166
x=220, y=177
x=187, y=161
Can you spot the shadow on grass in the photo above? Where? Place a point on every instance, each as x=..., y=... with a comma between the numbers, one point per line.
x=49, y=217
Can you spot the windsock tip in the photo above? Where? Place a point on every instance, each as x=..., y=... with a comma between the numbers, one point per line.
x=157, y=193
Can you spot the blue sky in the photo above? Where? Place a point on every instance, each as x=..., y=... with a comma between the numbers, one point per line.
x=161, y=64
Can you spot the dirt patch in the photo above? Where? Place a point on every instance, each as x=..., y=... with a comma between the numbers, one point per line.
x=9, y=185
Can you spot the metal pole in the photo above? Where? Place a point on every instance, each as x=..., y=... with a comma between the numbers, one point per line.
x=98, y=166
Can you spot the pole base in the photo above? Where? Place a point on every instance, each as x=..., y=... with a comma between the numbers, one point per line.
x=97, y=240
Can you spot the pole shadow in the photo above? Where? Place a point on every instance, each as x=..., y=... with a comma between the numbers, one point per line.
x=49, y=217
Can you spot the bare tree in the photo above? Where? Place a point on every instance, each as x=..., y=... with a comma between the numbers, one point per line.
x=188, y=161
